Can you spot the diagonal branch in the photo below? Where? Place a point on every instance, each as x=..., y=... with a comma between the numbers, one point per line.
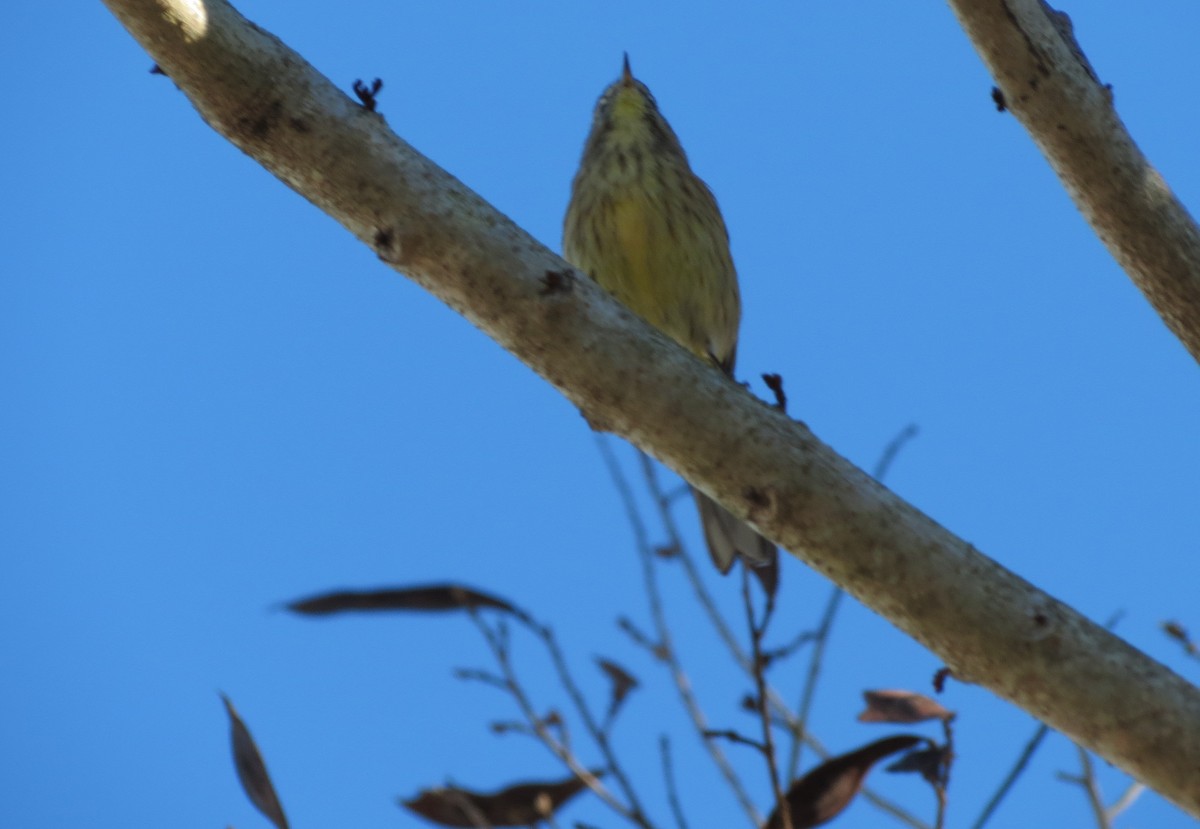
x=990, y=626
x=1047, y=83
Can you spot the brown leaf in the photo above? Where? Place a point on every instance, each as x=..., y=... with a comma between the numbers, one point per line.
x=932, y=763
x=522, y=804
x=428, y=598
x=824, y=792
x=622, y=683
x=898, y=706
x=251, y=770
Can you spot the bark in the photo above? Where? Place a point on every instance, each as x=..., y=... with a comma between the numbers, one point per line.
x=990, y=626
x=1052, y=89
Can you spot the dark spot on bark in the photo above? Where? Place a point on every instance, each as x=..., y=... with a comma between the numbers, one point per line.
x=259, y=124
x=385, y=245
x=757, y=498
x=556, y=282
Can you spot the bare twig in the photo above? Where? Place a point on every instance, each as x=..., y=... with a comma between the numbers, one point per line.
x=891, y=450
x=787, y=649
x=816, y=660
x=884, y=805
x=664, y=749
x=735, y=737
x=757, y=631
x=1132, y=792
x=942, y=785
x=663, y=500
x=669, y=656
x=599, y=735
x=1011, y=778
x=1086, y=780
x=481, y=676
x=498, y=644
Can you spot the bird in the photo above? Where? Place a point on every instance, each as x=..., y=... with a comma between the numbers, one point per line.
x=648, y=230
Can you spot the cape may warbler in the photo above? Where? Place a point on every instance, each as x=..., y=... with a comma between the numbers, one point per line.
x=646, y=228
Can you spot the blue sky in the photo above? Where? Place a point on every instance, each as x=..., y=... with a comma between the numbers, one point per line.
x=216, y=400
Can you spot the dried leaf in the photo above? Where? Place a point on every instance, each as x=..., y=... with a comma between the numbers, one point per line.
x=824, y=792
x=898, y=706
x=622, y=683
x=434, y=598
x=251, y=770
x=522, y=804
x=931, y=763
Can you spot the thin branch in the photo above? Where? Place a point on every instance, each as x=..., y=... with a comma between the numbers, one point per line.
x=1128, y=797
x=598, y=734
x=481, y=676
x=663, y=501
x=888, y=456
x=664, y=750
x=941, y=785
x=668, y=654
x=1011, y=778
x=757, y=631
x=808, y=694
x=887, y=806
x=1086, y=780
x=1046, y=81
x=497, y=643
x=735, y=737
x=788, y=648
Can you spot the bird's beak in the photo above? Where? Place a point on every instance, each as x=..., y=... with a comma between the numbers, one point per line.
x=626, y=74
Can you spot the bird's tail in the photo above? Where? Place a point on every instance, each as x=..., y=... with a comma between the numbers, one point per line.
x=730, y=538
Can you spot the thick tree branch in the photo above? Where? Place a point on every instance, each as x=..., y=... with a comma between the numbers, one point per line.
x=989, y=626
x=1048, y=84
